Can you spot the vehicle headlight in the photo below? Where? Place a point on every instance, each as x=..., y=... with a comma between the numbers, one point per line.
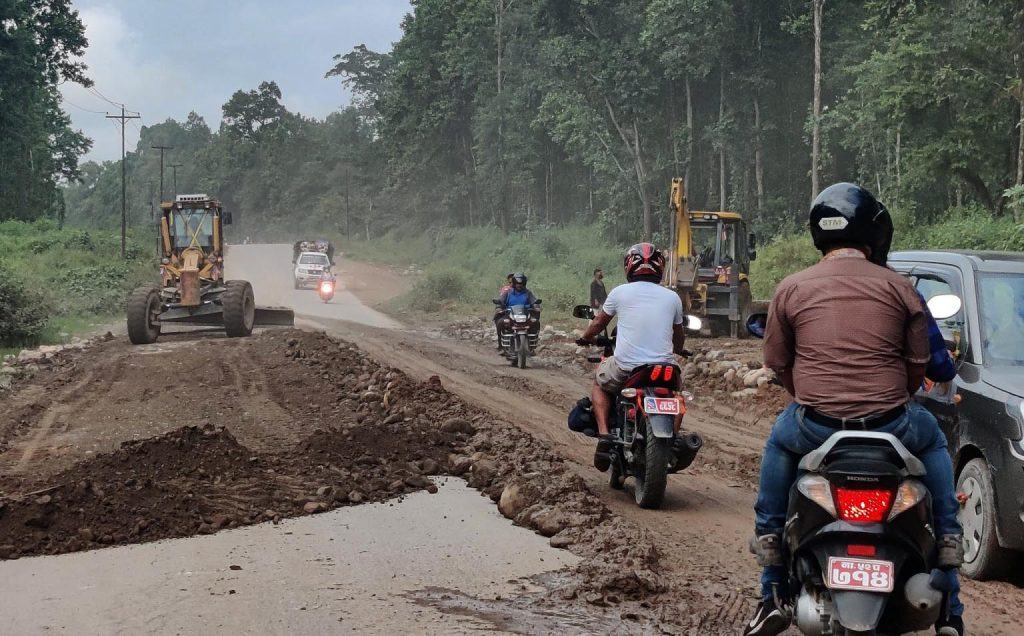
x=520, y=318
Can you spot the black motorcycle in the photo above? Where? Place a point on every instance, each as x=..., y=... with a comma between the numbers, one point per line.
x=859, y=538
x=646, y=445
x=519, y=331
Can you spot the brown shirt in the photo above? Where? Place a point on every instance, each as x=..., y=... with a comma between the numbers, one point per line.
x=846, y=329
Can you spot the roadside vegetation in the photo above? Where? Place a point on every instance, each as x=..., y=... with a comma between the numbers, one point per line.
x=55, y=283
x=463, y=269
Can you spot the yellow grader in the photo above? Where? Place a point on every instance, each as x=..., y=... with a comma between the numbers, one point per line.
x=192, y=288
x=710, y=265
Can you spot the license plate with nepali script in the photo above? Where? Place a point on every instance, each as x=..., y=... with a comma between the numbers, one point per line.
x=661, y=406
x=862, y=575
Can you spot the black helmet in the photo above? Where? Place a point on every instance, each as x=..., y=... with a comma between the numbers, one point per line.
x=847, y=214
x=519, y=278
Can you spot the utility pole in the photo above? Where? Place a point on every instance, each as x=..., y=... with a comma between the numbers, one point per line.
x=162, y=149
x=348, y=186
x=174, y=167
x=124, y=179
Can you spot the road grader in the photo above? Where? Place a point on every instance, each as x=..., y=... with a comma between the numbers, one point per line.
x=192, y=288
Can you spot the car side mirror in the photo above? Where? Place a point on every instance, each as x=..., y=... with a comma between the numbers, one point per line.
x=944, y=306
x=756, y=324
x=583, y=311
x=225, y=218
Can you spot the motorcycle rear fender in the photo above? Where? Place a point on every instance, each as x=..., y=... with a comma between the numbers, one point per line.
x=664, y=426
x=860, y=611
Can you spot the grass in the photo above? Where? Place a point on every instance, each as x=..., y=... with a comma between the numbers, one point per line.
x=77, y=277
x=464, y=269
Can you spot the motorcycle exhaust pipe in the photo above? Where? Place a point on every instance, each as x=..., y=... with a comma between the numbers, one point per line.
x=685, y=449
x=920, y=593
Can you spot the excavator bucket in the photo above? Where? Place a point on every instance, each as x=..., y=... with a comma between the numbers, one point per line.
x=274, y=317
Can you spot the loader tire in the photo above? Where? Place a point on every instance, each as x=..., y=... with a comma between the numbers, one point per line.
x=239, y=308
x=143, y=315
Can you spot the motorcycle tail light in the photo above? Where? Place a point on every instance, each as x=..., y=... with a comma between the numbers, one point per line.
x=817, y=489
x=865, y=506
x=662, y=391
x=910, y=494
x=861, y=550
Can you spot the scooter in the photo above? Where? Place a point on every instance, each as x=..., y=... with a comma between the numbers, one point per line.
x=859, y=540
x=325, y=290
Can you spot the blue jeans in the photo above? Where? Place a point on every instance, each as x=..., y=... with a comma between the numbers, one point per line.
x=793, y=436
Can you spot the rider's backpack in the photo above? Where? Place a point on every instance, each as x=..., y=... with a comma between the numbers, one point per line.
x=581, y=418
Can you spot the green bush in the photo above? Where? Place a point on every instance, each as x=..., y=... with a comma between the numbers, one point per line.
x=440, y=287
x=23, y=313
x=778, y=259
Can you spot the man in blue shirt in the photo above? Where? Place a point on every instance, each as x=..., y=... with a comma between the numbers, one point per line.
x=518, y=294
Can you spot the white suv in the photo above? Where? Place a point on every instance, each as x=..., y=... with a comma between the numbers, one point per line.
x=308, y=269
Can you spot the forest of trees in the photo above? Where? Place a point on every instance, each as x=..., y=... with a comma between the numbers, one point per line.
x=522, y=113
x=40, y=43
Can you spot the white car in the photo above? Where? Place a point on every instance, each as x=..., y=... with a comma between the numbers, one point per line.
x=308, y=269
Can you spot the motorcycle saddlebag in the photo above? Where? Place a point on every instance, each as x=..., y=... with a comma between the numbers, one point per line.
x=581, y=418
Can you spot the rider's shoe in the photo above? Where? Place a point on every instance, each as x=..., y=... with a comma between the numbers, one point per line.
x=768, y=620
x=603, y=454
x=951, y=626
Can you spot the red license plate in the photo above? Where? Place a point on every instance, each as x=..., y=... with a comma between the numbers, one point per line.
x=663, y=406
x=863, y=575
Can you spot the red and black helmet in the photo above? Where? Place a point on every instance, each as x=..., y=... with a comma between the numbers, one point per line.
x=644, y=262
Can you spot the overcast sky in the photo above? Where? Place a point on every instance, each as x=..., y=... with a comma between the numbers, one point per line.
x=164, y=58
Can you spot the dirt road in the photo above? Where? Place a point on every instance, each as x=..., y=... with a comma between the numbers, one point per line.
x=295, y=415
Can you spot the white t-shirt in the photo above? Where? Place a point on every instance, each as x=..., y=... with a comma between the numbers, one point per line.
x=646, y=312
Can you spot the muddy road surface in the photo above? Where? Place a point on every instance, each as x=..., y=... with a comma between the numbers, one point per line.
x=344, y=477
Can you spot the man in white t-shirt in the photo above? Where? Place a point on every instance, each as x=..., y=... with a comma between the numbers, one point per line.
x=650, y=331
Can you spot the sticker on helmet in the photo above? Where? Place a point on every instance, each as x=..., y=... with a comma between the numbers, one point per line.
x=833, y=223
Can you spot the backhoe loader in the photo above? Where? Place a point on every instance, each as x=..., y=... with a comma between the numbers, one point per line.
x=710, y=264
x=192, y=288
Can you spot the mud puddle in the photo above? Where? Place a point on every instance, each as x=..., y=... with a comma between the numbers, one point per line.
x=357, y=569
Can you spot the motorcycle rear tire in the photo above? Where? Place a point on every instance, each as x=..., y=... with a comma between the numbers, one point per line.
x=523, y=350
x=651, y=482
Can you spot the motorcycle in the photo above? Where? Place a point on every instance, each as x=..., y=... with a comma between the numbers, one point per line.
x=325, y=290
x=859, y=540
x=647, y=445
x=520, y=332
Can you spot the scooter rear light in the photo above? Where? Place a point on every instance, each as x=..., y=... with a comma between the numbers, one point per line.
x=817, y=489
x=864, y=506
x=911, y=493
x=860, y=550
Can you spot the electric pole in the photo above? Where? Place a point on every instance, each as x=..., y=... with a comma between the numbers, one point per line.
x=162, y=149
x=124, y=179
x=174, y=167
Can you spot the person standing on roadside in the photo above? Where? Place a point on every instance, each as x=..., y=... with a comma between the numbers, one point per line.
x=598, y=294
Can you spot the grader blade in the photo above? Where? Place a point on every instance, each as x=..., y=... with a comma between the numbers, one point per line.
x=274, y=317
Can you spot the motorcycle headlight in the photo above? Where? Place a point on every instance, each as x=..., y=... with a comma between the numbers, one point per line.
x=519, y=318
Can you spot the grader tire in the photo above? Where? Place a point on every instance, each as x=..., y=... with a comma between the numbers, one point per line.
x=239, y=308
x=143, y=311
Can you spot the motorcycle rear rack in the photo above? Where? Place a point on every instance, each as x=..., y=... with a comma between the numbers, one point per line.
x=813, y=461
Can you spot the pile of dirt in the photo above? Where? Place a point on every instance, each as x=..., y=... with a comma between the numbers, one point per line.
x=361, y=432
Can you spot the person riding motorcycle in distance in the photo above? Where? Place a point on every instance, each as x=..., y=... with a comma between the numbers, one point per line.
x=327, y=276
x=516, y=294
x=650, y=331
x=848, y=338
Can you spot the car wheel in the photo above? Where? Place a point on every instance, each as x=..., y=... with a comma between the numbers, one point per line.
x=983, y=558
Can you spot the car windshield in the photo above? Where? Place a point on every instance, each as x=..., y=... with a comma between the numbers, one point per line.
x=1002, y=318
x=193, y=228
x=313, y=259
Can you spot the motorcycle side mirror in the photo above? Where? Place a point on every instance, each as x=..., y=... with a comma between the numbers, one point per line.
x=944, y=306
x=538, y=301
x=693, y=323
x=583, y=311
x=496, y=301
x=756, y=324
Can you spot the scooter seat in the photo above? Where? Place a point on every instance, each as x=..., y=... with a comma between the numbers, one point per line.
x=882, y=454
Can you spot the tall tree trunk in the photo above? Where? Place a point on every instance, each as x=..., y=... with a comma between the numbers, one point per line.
x=758, y=158
x=721, y=139
x=690, y=155
x=819, y=6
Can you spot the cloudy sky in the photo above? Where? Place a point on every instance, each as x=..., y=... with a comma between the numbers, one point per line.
x=164, y=58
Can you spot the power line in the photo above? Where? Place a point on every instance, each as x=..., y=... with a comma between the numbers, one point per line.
x=95, y=91
x=88, y=110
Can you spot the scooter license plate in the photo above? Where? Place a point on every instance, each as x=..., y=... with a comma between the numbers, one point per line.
x=862, y=575
x=663, y=406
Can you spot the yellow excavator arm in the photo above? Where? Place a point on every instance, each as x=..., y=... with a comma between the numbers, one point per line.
x=683, y=272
